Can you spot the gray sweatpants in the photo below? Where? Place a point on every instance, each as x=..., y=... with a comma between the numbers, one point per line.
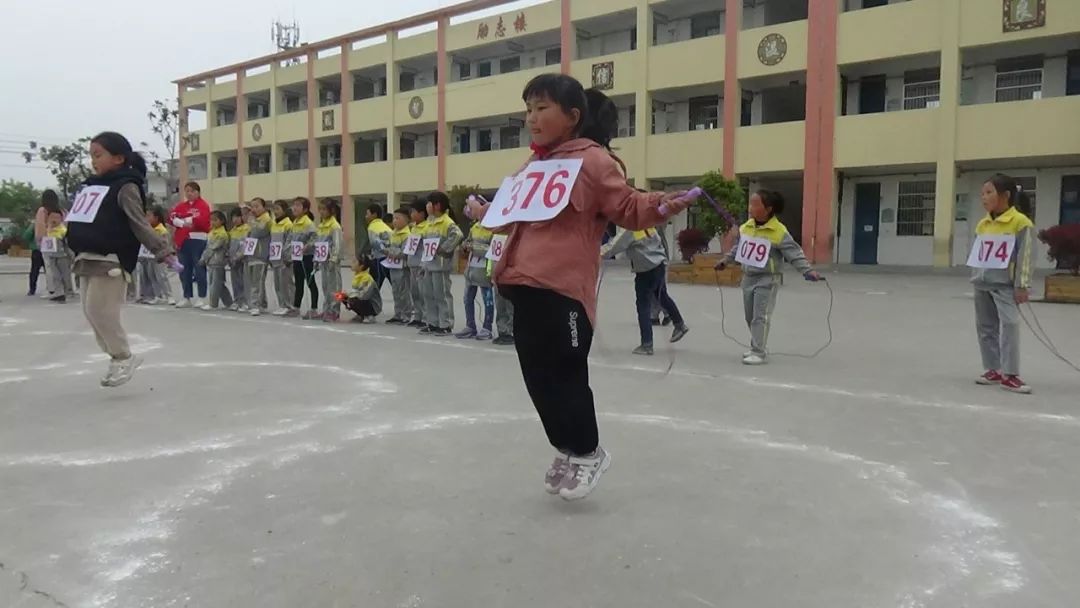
x=239, y=290
x=401, y=282
x=102, y=299
x=416, y=284
x=218, y=291
x=284, y=286
x=997, y=323
x=331, y=284
x=438, y=299
x=58, y=275
x=504, y=315
x=759, y=300
x=256, y=284
x=153, y=280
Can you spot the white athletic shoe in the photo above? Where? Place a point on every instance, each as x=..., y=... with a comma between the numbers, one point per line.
x=184, y=303
x=114, y=366
x=172, y=301
x=243, y=309
x=125, y=369
x=753, y=359
x=206, y=307
x=255, y=312
x=584, y=474
x=197, y=303
x=281, y=312
x=556, y=473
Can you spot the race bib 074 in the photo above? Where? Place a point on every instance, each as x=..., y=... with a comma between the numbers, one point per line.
x=498, y=245
x=753, y=251
x=87, y=203
x=992, y=251
x=538, y=193
x=431, y=247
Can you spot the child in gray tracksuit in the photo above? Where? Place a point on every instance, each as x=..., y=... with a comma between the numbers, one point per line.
x=769, y=244
x=328, y=239
x=281, y=260
x=400, y=278
x=419, y=217
x=477, y=279
x=214, y=258
x=1001, y=279
x=237, y=265
x=258, y=262
x=441, y=239
x=57, y=259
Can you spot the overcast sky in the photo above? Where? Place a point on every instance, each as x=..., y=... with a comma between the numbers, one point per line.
x=72, y=68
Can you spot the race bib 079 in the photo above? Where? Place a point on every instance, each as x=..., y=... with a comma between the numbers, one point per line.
x=431, y=247
x=87, y=203
x=992, y=251
x=411, y=245
x=275, y=251
x=498, y=245
x=538, y=193
x=322, y=251
x=297, y=250
x=249, y=246
x=753, y=251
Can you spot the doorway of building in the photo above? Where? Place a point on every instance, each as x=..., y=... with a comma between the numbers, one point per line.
x=864, y=248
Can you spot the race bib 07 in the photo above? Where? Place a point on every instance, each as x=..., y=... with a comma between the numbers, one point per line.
x=322, y=251
x=538, y=193
x=411, y=245
x=297, y=250
x=275, y=251
x=431, y=247
x=753, y=251
x=87, y=203
x=992, y=251
x=144, y=252
x=249, y=246
x=49, y=244
x=498, y=245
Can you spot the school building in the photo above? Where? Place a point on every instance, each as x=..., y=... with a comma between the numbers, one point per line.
x=877, y=119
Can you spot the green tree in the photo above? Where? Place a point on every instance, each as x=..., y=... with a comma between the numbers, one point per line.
x=68, y=164
x=728, y=194
x=18, y=200
x=458, y=195
x=165, y=123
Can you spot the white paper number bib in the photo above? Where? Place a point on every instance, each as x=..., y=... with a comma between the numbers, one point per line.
x=393, y=264
x=297, y=250
x=498, y=244
x=753, y=251
x=431, y=247
x=87, y=203
x=275, y=251
x=145, y=253
x=536, y=194
x=477, y=261
x=249, y=246
x=49, y=244
x=322, y=251
x=411, y=245
x=992, y=251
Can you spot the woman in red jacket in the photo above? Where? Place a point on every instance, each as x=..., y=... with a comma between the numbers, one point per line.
x=191, y=217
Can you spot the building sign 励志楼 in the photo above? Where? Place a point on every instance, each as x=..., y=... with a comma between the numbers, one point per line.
x=483, y=30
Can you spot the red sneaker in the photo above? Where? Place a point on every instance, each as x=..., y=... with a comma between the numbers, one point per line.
x=990, y=378
x=1014, y=384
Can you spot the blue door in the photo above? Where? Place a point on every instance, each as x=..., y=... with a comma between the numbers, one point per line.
x=1070, y=200
x=865, y=228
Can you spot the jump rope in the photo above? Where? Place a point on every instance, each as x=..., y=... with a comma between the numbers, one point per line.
x=1042, y=335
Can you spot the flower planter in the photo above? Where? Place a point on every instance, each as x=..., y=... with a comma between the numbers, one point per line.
x=701, y=271
x=1063, y=288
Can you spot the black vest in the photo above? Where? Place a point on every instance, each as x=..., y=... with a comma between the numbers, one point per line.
x=110, y=232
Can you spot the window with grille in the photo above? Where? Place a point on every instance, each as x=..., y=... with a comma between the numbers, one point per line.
x=509, y=137
x=1019, y=79
x=915, y=209
x=1028, y=184
x=509, y=64
x=553, y=56
x=922, y=89
x=295, y=159
x=330, y=155
x=704, y=112
x=705, y=24
x=227, y=167
x=258, y=163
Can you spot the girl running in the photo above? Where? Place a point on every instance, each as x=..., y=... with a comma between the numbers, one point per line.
x=549, y=271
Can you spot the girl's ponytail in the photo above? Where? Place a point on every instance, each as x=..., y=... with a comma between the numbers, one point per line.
x=138, y=163
x=1017, y=197
x=601, y=123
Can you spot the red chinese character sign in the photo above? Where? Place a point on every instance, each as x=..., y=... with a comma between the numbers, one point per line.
x=519, y=23
x=482, y=31
x=500, y=29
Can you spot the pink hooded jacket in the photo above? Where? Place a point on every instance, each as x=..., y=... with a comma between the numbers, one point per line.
x=563, y=254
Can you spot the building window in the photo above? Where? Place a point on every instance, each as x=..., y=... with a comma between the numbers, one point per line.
x=553, y=56
x=510, y=64
x=915, y=209
x=407, y=146
x=922, y=89
x=226, y=116
x=1029, y=184
x=257, y=110
x=227, y=167
x=258, y=163
x=705, y=24
x=483, y=140
x=1019, y=79
x=294, y=103
x=509, y=137
x=330, y=155
x=483, y=69
x=1072, y=77
x=295, y=159
x=464, y=71
x=407, y=81
x=329, y=97
x=704, y=112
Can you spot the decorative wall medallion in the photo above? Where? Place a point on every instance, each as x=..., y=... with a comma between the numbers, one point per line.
x=328, y=120
x=256, y=132
x=194, y=137
x=1019, y=15
x=603, y=75
x=772, y=49
x=416, y=107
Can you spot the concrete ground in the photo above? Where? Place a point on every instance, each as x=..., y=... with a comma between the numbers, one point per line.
x=269, y=463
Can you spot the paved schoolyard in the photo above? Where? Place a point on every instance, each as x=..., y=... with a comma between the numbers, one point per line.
x=268, y=463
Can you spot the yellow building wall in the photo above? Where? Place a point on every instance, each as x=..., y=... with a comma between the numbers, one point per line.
x=685, y=154
x=223, y=139
x=401, y=107
x=1037, y=128
x=794, y=32
x=292, y=127
x=538, y=18
x=887, y=139
x=486, y=169
x=888, y=31
x=415, y=175
x=264, y=185
x=291, y=184
x=980, y=26
x=416, y=45
x=770, y=148
x=371, y=178
x=491, y=96
x=628, y=71
x=269, y=132
x=369, y=114
x=259, y=82
x=668, y=63
x=327, y=182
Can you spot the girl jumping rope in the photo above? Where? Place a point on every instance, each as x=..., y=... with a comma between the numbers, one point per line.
x=549, y=269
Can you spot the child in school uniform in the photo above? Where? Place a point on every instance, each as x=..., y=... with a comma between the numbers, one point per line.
x=162, y=288
x=760, y=284
x=328, y=240
x=237, y=263
x=477, y=278
x=214, y=258
x=364, y=297
x=1001, y=262
x=418, y=215
x=400, y=277
x=57, y=259
x=441, y=239
x=258, y=261
x=303, y=260
x=281, y=260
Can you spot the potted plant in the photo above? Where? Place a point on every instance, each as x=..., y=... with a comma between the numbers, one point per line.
x=692, y=241
x=710, y=223
x=1064, y=248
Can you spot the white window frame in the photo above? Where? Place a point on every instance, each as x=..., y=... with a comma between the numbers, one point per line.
x=919, y=200
x=1018, y=92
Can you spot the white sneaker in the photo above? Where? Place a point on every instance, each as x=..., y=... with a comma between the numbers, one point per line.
x=753, y=359
x=556, y=473
x=281, y=312
x=184, y=303
x=197, y=303
x=255, y=312
x=124, y=370
x=46, y=296
x=584, y=474
x=233, y=307
x=172, y=301
x=206, y=307
x=243, y=309
x=747, y=354
x=114, y=366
